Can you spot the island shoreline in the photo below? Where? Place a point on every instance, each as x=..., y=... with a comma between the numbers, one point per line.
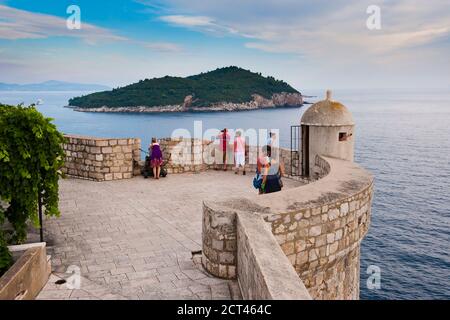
x=147, y=110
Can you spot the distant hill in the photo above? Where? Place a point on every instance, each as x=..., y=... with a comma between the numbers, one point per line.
x=225, y=85
x=52, y=85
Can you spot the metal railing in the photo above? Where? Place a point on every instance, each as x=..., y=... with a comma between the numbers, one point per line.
x=295, y=150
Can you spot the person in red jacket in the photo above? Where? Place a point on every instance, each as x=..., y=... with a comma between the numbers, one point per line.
x=224, y=140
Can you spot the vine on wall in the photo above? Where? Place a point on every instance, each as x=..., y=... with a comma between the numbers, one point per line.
x=31, y=156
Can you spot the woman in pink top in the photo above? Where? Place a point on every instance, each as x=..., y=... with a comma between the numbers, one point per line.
x=239, y=152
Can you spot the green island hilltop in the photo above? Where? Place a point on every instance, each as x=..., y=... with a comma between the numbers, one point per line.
x=224, y=89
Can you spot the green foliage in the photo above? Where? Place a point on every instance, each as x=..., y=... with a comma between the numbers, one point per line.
x=5, y=255
x=230, y=84
x=31, y=156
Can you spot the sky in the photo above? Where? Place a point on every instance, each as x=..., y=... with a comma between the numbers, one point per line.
x=310, y=44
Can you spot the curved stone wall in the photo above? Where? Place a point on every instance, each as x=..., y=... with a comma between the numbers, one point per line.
x=318, y=226
x=219, y=242
x=322, y=242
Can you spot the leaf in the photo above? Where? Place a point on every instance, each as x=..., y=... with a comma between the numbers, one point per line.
x=31, y=156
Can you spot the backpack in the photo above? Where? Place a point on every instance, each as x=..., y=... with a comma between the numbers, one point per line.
x=257, y=181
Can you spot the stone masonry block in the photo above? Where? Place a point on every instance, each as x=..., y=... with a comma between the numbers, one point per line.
x=315, y=231
x=107, y=150
x=226, y=257
x=101, y=143
x=344, y=208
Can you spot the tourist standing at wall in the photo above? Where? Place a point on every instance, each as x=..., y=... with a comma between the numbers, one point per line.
x=261, y=164
x=239, y=152
x=224, y=141
x=273, y=143
x=156, y=158
x=272, y=171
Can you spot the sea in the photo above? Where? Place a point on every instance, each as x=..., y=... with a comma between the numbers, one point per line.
x=402, y=137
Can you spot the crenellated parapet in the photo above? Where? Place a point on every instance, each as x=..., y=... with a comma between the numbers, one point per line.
x=101, y=159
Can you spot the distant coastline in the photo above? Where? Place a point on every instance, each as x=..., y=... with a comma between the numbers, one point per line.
x=217, y=107
x=52, y=86
x=281, y=100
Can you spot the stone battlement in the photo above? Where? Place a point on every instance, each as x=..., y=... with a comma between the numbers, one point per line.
x=299, y=243
x=318, y=226
x=105, y=159
x=193, y=155
x=101, y=159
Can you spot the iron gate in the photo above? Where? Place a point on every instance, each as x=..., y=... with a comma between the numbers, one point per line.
x=295, y=150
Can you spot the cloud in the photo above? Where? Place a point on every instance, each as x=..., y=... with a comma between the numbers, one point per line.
x=20, y=24
x=322, y=28
x=188, y=21
x=163, y=46
x=201, y=23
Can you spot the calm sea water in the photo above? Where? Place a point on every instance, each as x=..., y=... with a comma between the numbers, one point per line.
x=403, y=138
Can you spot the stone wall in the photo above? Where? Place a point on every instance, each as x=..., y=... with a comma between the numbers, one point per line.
x=322, y=244
x=29, y=273
x=193, y=155
x=219, y=241
x=183, y=155
x=263, y=270
x=101, y=159
x=292, y=168
x=321, y=168
x=319, y=227
x=239, y=245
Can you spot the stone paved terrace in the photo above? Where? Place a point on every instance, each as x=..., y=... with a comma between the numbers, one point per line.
x=133, y=239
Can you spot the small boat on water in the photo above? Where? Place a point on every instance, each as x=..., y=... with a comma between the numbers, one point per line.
x=39, y=102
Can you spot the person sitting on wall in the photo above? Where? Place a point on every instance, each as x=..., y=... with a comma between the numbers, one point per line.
x=156, y=158
x=272, y=170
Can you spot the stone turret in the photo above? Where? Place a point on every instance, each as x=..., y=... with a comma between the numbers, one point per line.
x=327, y=129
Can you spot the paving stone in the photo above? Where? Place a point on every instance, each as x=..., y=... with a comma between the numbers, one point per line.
x=130, y=234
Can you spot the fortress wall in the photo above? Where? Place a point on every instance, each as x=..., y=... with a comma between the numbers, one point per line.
x=193, y=155
x=318, y=226
x=103, y=159
x=321, y=168
x=322, y=243
x=183, y=155
x=240, y=245
x=219, y=241
x=100, y=159
x=264, y=272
